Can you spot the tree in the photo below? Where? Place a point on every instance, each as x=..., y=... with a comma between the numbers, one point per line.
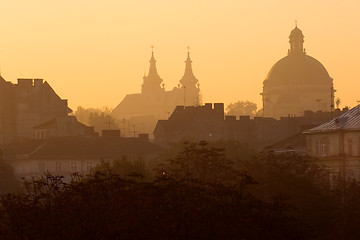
x=241, y=108
x=124, y=168
x=100, y=118
x=305, y=184
x=8, y=180
x=185, y=202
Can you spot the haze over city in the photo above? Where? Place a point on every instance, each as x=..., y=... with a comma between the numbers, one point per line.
x=193, y=119
x=95, y=52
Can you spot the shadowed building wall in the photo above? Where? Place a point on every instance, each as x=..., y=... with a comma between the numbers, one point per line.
x=25, y=105
x=209, y=123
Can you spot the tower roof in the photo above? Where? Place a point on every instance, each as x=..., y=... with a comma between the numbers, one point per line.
x=153, y=70
x=188, y=77
x=296, y=32
x=152, y=81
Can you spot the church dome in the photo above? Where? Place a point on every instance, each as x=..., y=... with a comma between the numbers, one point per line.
x=297, y=69
x=297, y=83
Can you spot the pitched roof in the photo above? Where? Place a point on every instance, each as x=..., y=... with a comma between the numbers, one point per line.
x=350, y=120
x=81, y=147
x=59, y=120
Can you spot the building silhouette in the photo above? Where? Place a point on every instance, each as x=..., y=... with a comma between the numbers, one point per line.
x=297, y=83
x=27, y=104
x=154, y=102
x=209, y=123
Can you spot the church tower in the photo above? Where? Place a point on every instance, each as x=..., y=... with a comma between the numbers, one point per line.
x=190, y=85
x=151, y=82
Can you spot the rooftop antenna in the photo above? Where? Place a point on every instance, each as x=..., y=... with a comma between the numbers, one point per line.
x=319, y=102
x=332, y=101
x=134, y=130
x=109, y=122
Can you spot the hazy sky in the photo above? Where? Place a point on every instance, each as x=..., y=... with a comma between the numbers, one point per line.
x=94, y=52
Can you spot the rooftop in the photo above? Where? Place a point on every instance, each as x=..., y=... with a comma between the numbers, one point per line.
x=349, y=120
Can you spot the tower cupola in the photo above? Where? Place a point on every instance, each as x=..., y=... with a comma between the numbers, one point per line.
x=188, y=78
x=152, y=81
x=296, y=41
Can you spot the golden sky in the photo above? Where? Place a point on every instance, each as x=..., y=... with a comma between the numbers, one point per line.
x=94, y=52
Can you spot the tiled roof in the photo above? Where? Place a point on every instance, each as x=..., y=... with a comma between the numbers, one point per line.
x=347, y=121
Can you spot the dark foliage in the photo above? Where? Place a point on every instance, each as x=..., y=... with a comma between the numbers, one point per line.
x=8, y=181
x=199, y=194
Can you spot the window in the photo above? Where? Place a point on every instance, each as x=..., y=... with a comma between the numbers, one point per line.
x=41, y=167
x=350, y=148
x=57, y=166
x=88, y=166
x=73, y=166
x=350, y=173
x=323, y=147
x=308, y=144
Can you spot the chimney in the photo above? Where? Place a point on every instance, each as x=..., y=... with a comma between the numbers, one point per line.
x=38, y=82
x=25, y=82
x=110, y=133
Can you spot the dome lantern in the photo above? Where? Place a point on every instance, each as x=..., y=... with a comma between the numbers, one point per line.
x=296, y=41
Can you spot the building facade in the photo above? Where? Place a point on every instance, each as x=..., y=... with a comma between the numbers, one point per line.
x=64, y=126
x=297, y=83
x=74, y=154
x=337, y=143
x=25, y=105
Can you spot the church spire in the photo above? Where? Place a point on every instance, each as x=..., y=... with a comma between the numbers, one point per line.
x=153, y=71
x=152, y=81
x=296, y=41
x=189, y=77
